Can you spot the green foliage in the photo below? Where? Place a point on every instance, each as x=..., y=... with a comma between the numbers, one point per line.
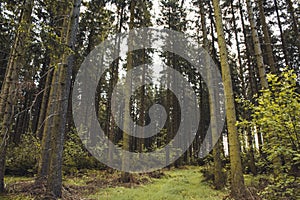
x=276, y=114
x=76, y=157
x=284, y=187
x=22, y=158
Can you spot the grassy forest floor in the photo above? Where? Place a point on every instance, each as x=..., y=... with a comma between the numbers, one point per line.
x=174, y=184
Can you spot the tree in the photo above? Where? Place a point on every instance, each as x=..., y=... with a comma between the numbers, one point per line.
x=219, y=180
x=9, y=88
x=276, y=113
x=257, y=47
x=237, y=179
x=67, y=16
x=283, y=39
x=126, y=139
x=267, y=39
x=172, y=16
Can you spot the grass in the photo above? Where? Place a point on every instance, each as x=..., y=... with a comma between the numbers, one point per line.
x=178, y=184
x=183, y=184
x=16, y=179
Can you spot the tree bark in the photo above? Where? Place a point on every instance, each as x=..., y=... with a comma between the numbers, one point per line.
x=237, y=179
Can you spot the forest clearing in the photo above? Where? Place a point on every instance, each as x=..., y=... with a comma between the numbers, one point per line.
x=150, y=99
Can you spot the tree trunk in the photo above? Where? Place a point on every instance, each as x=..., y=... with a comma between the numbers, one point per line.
x=257, y=48
x=47, y=129
x=219, y=181
x=44, y=103
x=50, y=167
x=125, y=176
x=284, y=47
x=8, y=98
x=252, y=80
x=54, y=182
x=237, y=179
x=251, y=152
x=295, y=23
x=267, y=40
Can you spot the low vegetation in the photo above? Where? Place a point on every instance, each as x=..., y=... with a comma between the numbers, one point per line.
x=176, y=184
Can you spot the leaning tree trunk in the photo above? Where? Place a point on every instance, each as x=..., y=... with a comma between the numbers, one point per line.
x=237, y=179
x=8, y=97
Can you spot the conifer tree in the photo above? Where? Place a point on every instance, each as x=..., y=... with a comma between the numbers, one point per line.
x=9, y=88
x=237, y=179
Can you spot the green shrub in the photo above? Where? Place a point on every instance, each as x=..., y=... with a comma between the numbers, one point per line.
x=22, y=158
x=76, y=157
x=276, y=115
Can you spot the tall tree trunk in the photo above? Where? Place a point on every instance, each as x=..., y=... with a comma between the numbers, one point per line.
x=257, y=48
x=219, y=181
x=237, y=179
x=243, y=83
x=267, y=40
x=8, y=98
x=125, y=176
x=141, y=141
x=54, y=182
x=43, y=167
x=50, y=168
x=115, y=79
x=252, y=80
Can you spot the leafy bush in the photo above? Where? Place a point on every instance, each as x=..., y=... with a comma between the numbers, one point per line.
x=276, y=115
x=76, y=157
x=22, y=158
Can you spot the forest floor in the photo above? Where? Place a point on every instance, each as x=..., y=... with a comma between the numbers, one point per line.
x=175, y=184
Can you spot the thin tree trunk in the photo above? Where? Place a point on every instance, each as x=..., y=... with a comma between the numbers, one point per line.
x=257, y=48
x=253, y=83
x=43, y=108
x=284, y=47
x=295, y=23
x=267, y=40
x=251, y=152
